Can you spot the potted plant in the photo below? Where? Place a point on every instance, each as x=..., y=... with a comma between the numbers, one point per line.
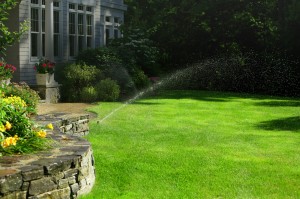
x=6, y=72
x=45, y=72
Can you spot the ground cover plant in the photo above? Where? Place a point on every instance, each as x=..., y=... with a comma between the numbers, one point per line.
x=196, y=144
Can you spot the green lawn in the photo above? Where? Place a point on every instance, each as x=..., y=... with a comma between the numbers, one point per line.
x=195, y=144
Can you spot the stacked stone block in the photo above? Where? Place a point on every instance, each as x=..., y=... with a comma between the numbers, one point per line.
x=63, y=172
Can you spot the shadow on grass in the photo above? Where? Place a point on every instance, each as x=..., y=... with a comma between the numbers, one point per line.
x=279, y=103
x=284, y=124
x=187, y=94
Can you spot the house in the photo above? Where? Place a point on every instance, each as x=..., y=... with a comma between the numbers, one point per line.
x=59, y=29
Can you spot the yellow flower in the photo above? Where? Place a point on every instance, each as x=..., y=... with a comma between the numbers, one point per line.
x=10, y=141
x=8, y=126
x=2, y=128
x=49, y=126
x=41, y=134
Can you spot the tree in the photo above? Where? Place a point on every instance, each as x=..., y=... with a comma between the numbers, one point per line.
x=7, y=37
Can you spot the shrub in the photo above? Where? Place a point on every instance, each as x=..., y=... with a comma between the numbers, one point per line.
x=140, y=79
x=30, y=97
x=108, y=90
x=88, y=94
x=78, y=76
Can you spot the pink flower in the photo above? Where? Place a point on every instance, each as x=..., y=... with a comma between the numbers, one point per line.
x=44, y=65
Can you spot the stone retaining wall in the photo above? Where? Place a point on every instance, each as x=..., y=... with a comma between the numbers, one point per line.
x=66, y=171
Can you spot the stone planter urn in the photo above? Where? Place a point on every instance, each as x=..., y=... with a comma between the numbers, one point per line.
x=45, y=79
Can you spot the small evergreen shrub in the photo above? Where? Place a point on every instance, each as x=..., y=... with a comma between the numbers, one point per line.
x=88, y=94
x=108, y=90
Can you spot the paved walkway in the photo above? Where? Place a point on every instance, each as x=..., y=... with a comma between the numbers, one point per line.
x=44, y=108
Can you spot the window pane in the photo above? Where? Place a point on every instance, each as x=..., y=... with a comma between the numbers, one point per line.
x=89, y=9
x=34, y=19
x=43, y=44
x=107, y=33
x=89, y=24
x=71, y=6
x=116, y=33
x=107, y=19
x=35, y=1
x=72, y=23
x=72, y=45
x=34, y=44
x=56, y=45
x=80, y=7
x=89, y=42
x=56, y=4
x=43, y=2
x=80, y=43
x=56, y=21
x=80, y=24
x=43, y=20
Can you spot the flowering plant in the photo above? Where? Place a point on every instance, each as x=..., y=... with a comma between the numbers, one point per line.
x=18, y=133
x=44, y=66
x=6, y=70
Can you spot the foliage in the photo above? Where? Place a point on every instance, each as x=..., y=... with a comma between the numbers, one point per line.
x=6, y=70
x=136, y=50
x=100, y=57
x=190, y=30
x=89, y=94
x=140, y=79
x=76, y=77
x=252, y=73
x=22, y=90
x=44, y=66
x=18, y=134
x=108, y=90
x=8, y=38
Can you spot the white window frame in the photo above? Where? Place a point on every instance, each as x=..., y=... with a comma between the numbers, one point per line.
x=84, y=35
x=59, y=33
x=40, y=7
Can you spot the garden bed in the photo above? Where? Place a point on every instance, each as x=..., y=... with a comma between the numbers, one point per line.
x=65, y=171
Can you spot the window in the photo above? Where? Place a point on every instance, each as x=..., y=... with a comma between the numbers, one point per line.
x=72, y=33
x=72, y=6
x=116, y=33
x=80, y=28
x=116, y=20
x=107, y=19
x=37, y=30
x=34, y=31
x=80, y=7
x=56, y=31
x=56, y=4
x=89, y=31
x=107, y=35
x=89, y=9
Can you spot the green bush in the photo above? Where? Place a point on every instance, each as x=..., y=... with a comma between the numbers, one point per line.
x=76, y=77
x=108, y=90
x=88, y=94
x=140, y=79
x=22, y=90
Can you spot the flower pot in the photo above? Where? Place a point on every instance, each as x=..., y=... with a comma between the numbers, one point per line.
x=44, y=79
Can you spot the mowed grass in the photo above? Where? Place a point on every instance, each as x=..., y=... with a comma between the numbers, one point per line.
x=196, y=144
